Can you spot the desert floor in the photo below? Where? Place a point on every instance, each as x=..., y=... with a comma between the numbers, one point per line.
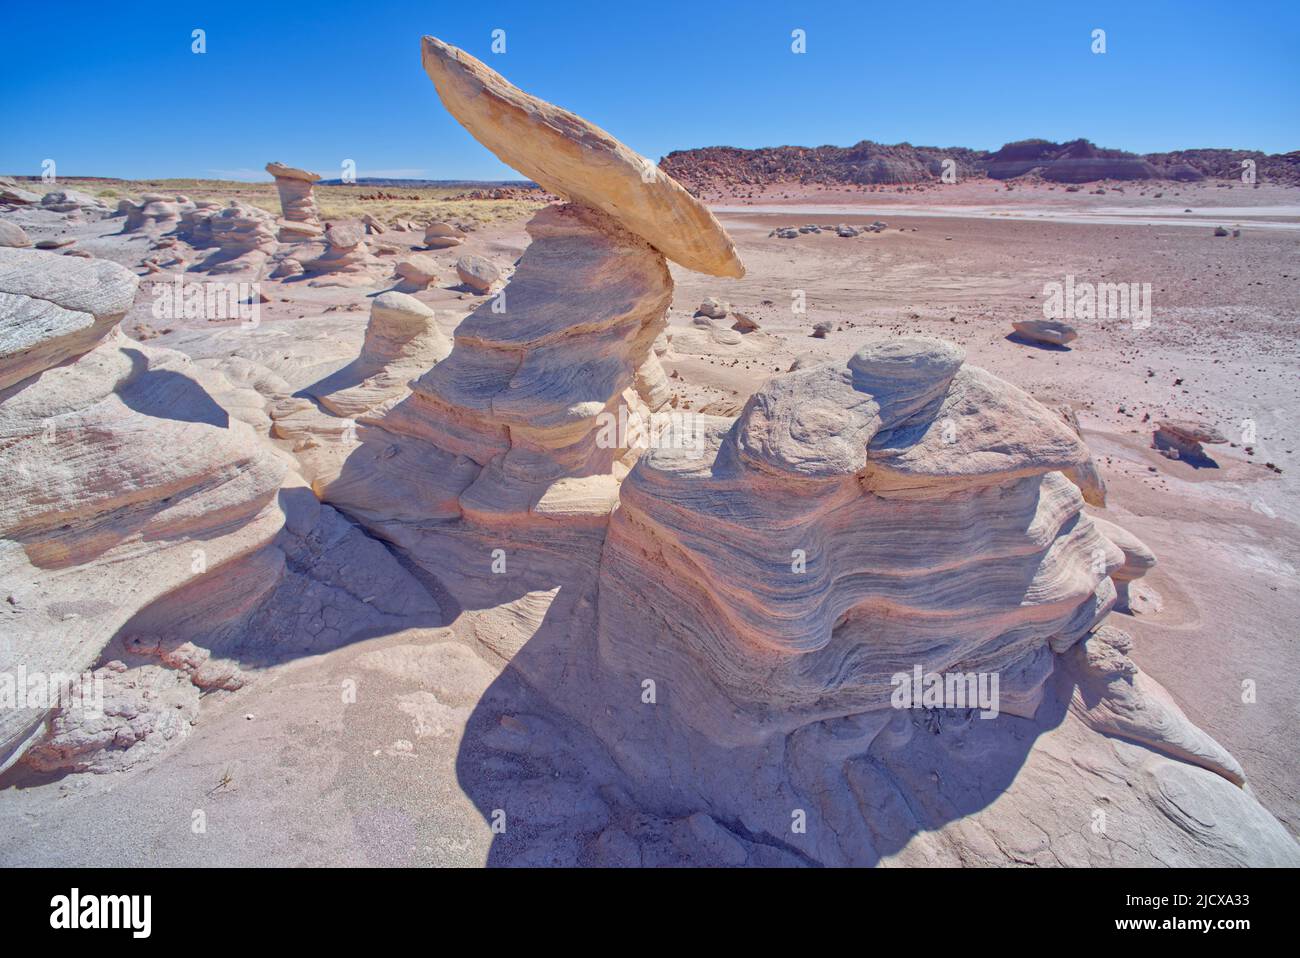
x=284, y=779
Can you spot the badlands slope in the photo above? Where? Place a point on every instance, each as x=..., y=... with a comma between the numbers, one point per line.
x=432, y=593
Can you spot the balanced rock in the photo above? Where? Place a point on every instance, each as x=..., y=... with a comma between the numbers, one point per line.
x=343, y=259
x=514, y=412
x=297, y=203
x=1050, y=331
x=566, y=155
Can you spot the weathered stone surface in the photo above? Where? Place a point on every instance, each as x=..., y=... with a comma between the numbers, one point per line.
x=242, y=234
x=11, y=194
x=713, y=308
x=73, y=201
x=568, y=156
x=155, y=211
x=53, y=309
x=1086, y=476
x=1117, y=698
x=1184, y=438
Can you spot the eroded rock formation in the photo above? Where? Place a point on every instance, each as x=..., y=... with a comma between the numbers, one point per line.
x=855, y=520
x=301, y=218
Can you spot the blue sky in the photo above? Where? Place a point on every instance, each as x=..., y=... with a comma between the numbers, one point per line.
x=113, y=89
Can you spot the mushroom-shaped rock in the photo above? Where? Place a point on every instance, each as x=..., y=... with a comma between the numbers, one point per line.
x=402, y=342
x=1138, y=559
x=566, y=155
x=295, y=189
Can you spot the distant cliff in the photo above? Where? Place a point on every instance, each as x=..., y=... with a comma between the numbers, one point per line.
x=728, y=169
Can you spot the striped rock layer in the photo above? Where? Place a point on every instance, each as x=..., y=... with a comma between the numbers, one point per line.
x=855, y=521
x=509, y=424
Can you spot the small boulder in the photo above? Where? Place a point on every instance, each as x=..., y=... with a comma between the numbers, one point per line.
x=477, y=272
x=713, y=308
x=1183, y=438
x=11, y=234
x=1050, y=331
x=417, y=271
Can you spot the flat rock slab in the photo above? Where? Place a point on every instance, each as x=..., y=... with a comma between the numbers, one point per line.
x=566, y=155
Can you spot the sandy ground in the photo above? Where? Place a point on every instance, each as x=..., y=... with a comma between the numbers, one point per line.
x=286, y=774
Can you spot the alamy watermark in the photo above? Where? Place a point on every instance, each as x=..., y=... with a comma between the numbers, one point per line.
x=946, y=690
x=1090, y=301
x=631, y=429
x=179, y=299
x=83, y=691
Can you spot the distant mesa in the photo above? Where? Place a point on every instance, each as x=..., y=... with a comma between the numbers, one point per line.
x=724, y=168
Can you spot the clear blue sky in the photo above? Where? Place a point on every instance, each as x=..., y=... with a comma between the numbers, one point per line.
x=111, y=88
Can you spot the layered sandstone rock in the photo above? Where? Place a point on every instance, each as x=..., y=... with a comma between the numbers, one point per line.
x=855, y=520
x=402, y=343
x=50, y=313
x=514, y=413
x=1138, y=560
x=155, y=210
x=297, y=202
x=124, y=479
x=343, y=259
x=242, y=234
